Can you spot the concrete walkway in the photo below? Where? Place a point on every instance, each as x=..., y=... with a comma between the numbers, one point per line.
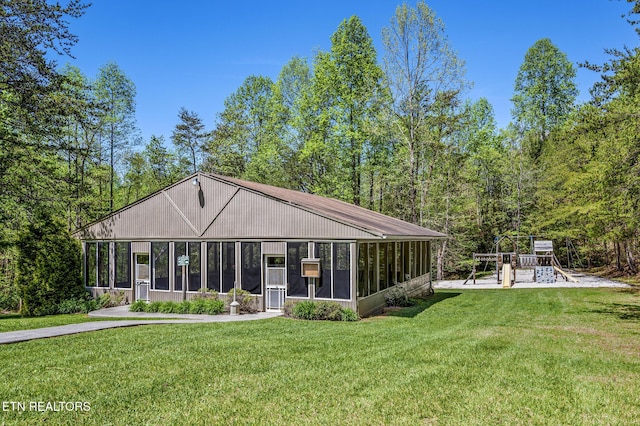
x=123, y=312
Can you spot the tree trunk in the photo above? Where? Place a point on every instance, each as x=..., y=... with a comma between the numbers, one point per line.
x=631, y=262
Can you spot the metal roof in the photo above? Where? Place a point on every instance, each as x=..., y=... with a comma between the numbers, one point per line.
x=220, y=207
x=377, y=223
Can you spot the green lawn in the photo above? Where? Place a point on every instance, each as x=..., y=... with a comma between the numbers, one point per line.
x=13, y=322
x=548, y=356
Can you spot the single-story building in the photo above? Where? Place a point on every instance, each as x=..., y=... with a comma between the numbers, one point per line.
x=276, y=243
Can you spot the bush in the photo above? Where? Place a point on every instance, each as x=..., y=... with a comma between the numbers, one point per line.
x=397, y=296
x=248, y=302
x=153, y=307
x=206, y=294
x=349, y=314
x=168, y=307
x=305, y=310
x=198, y=306
x=49, y=266
x=74, y=306
x=110, y=300
x=183, y=307
x=138, y=306
x=287, y=308
x=331, y=311
x=208, y=306
x=325, y=310
x=214, y=306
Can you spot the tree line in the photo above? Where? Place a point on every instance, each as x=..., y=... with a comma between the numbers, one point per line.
x=395, y=133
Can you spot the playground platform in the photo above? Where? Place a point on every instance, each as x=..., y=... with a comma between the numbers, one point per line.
x=524, y=279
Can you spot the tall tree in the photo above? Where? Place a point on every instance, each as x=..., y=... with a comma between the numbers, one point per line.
x=358, y=94
x=426, y=78
x=190, y=137
x=31, y=34
x=116, y=94
x=544, y=95
x=242, y=128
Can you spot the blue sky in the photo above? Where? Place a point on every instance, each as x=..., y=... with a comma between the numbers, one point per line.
x=194, y=54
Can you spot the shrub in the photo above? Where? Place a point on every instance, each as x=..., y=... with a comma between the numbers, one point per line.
x=168, y=307
x=214, y=306
x=248, y=302
x=110, y=300
x=49, y=265
x=325, y=310
x=206, y=294
x=305, y=310
x=287, y=308
x=397, y=296
x=153, y=307
x=349, y=314
x=198, y=306
x=74, y=306
x=182, y=307
x=138, y=306
x=331, y=311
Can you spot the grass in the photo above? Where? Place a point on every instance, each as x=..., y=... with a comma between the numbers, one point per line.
x=13, y=322
x=540, y=356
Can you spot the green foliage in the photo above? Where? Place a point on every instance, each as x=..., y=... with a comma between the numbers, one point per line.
x=287, y=308
x=75, y=306
x=168, y=307
x=48, y=266
x=189, y=137
x=322, y=311
x=208, y=305
x=248, y=302
x=545, y=92
x=304, y=310
x=397, y=296
x=110, y=300
x=349, y=314
x=138, y=306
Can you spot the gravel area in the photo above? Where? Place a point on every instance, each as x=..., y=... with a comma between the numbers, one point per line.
x=524, y=279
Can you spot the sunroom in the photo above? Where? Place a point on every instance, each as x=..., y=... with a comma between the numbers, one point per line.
x=218, y=233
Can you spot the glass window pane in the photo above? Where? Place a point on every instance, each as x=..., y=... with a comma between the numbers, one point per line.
x=123, y=265
x=363, y=284
x=160, y=265
x=91, y=264
x=341, y=271
x=194, y=266
x=228, y=266
x=103, y=264
x=213, y=266
x=251, y=271
x=323, y=284
x=371, y=269
x=179, y=249
x=297, y=284
x=383, y=267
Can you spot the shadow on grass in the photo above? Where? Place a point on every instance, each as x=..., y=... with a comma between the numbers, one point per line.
x=423, y=304
x=623, y=311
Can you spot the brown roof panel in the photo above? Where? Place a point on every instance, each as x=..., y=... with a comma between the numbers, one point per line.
x=378, y=223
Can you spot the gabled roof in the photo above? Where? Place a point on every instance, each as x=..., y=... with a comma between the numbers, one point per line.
x=375, y=222
x=220, y=207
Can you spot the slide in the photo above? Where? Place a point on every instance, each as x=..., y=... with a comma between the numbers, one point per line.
x=506, y=275
x=566, y=275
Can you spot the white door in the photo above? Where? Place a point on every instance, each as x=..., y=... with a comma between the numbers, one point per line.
x=142, y=277
x=275, y=281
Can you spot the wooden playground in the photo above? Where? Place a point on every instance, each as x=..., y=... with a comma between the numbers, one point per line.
x=541, y=262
